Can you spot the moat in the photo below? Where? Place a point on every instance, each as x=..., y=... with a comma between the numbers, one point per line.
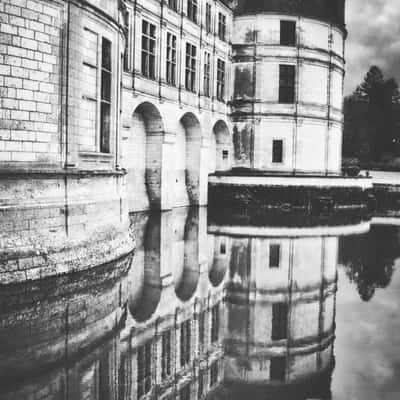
x=216, y=307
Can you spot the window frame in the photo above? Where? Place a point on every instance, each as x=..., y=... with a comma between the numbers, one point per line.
x=171, y=59
x=191, y=67
x=221, y=79
x=288, y=37
x=149, y=68
x=287, y=84
x=192, y=10
x=222, y=26
x=207, y=74
x=282, y=151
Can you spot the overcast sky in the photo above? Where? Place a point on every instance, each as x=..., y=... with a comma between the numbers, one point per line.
x=374, y=38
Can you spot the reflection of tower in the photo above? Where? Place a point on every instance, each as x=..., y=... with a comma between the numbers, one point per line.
x=281, y=307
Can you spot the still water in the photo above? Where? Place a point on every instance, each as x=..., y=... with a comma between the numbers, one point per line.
x=216, y=309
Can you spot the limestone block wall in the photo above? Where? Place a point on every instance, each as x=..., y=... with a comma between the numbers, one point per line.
x=56, y=178
x=310, y=126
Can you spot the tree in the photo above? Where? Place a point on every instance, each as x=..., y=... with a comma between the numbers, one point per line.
x=370, y=118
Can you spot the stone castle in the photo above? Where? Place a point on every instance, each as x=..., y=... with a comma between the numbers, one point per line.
x=111, y=106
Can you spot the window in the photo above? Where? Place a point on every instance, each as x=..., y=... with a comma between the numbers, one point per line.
x=215, y=324
x=96, y=104
x=222, y=26
x=208, y=18
x=225, y=154
x=144, y=369
x=288, y=33
x=105, y=107
x=185, y=343
x=278, y=368
x=190, y=70
x=222, y=246
x=286, y=83
x=171, y=59
x=274, y=255
x=166, y=355
x=173, y=4
x=202, y=325
x=148, y=50
x=127, y=52
x=279, y=321
x=220, y=80
x=207, y=74
x=277, y=151
x=192, y=10
x=214, y=373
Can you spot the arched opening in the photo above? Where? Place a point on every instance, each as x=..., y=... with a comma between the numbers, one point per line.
x=221, y=149
x=187, y=160
x=142, y=309
x=186, y=284
x=143, y=158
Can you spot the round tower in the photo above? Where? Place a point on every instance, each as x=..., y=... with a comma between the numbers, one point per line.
x=288, y=60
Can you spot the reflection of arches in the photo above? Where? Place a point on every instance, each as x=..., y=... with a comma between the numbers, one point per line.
x=144, y=157
x=191, y=126
x=186, y=284
x=143, y=309
x=220, y=148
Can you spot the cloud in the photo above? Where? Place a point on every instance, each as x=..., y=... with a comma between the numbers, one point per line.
x=374, y=39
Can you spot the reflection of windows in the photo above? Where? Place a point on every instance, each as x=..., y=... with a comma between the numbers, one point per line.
x=274, y=255
x=214, y=373
x=215, y=323
x=286, y=83
x=278, y=368
x=208, y=18
x=171, y=59
x=166, y=355
x=184, y=393
x=200, y=390
x=185, y=343
x=192, y=10
x=279, y=321
x=288, y=33
x=144, y=369
x=202, y=320
x=148, y=50
x=277, y=151
x=190, y=69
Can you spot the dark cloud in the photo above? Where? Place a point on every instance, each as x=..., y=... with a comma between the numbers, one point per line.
x=374, y=38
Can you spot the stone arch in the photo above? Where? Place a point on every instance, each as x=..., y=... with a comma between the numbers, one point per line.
x=144, y=158
x=142, y=309
x=186, y=284
x=193, y=137
x=221, y=148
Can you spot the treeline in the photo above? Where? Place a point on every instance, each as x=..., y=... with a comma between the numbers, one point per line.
x=372, y=121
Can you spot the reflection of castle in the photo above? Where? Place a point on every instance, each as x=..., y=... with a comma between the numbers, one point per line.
x=280, y=312
x=227, y=312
